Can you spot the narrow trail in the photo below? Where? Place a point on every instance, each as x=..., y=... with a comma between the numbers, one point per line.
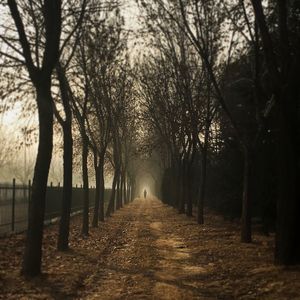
x=146, y=250
x=147, y=260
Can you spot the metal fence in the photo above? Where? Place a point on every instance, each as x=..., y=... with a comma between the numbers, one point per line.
x=14, y=200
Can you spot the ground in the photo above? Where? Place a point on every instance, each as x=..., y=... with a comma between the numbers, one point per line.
x=146, y=250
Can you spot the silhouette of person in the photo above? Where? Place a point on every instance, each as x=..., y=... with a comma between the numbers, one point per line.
x=145, y=194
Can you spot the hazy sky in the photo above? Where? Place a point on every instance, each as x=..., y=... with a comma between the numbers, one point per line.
x=12, y=121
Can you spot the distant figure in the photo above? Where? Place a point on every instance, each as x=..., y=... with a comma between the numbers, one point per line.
x=145, y=194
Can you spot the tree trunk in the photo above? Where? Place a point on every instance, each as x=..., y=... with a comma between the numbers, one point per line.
x=123, y=201
x=64, y=225
x=118, y=202
x=188, y=184
x=128, y=191
x=97, y=192
x=85, y=179
x=201, y=200
x=174, y=200
x=121, y=191
x=181, y=203
x=33, y=248
x=287, y=246
x=177, y=178
x=131, y=195
x=181, y=189
x=101, y=187
x=247, y=191
x=125, y=190
x=111, y=204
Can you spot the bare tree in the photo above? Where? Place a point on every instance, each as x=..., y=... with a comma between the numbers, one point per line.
x=66, y=123
x=40, y=70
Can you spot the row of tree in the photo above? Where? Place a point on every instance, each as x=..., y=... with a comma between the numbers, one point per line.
x=215, y=77
x=222, y=75
x=74, y=60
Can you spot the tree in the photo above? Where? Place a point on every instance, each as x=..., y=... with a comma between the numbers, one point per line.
x=104, y=45
x=120, y=91
x=66, y=124
x=40, y=73
x=203, y=22
x=282, y=72
x=195, y=102
x=91, y=99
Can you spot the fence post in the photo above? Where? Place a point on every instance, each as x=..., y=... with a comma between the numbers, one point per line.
x=13, y=206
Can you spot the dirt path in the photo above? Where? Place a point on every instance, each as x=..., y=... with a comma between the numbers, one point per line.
x=147, y=259
x=146, y=250
x=159, y=254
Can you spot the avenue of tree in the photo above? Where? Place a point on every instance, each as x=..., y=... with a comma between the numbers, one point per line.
x=207, y=102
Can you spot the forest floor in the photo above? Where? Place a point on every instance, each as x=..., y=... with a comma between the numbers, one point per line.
x=146, y=250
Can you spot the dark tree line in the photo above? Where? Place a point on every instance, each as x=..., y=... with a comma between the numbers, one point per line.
x=220, y=92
